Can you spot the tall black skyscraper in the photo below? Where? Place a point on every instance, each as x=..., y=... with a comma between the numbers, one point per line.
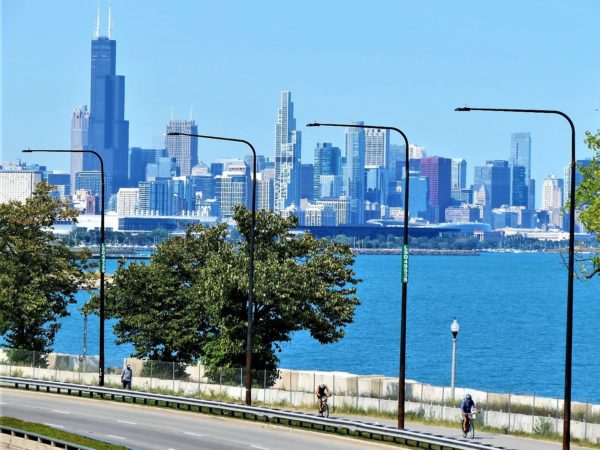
x=108, y=129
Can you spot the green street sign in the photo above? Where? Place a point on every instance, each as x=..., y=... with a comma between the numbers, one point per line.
x=405, y=263
x=102, y=259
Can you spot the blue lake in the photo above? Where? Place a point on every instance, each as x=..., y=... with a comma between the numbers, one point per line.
x=512, y=314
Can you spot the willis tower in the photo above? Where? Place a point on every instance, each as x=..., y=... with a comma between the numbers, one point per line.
x=108, y=132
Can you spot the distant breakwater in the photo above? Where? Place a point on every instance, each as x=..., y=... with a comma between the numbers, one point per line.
x=414, y=251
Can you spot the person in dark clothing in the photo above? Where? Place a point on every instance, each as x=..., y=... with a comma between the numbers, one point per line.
x=126, y=377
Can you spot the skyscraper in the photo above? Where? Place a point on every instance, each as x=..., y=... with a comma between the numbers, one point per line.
x=494, y=179
x=552, y=193
x=377, y=151
x=183, y=148
x=327, y=163
x=438, y=172
x=459, y=173
x=108, y=129
x=287, y=156
x=80, y=125
x=354, y=173
x=520, y=155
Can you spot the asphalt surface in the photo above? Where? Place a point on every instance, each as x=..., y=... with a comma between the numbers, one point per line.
x=151, y=428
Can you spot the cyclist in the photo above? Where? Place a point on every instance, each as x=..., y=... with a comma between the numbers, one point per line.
x=467, y=406
x=321, y=391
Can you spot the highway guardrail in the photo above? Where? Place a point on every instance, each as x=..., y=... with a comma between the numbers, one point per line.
x=272, y=415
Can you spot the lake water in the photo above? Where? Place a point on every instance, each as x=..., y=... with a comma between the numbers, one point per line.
x=512, y=314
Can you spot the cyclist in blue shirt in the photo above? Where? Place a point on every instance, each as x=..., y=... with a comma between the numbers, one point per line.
x=467, y=406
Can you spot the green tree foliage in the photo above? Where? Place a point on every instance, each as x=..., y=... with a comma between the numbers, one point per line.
x=587, y=197
x=39, y=274
x=190, y=301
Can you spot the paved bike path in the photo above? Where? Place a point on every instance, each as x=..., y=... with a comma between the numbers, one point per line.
x=498, y=440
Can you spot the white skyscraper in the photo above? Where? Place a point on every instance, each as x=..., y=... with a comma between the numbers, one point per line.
x=377, y=143
x=552, y=195
x=287, y=156
x=127, y=201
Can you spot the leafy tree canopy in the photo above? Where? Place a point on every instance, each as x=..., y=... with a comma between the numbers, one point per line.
x=190, y=301
x=39, y=274
x=587, y=197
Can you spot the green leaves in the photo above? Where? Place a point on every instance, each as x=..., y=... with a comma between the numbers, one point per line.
x=39, y=274
x=190, y=302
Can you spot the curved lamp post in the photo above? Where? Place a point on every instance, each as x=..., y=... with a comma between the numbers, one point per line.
x=251, y=268
x=102, y=251
x=571, y=270
x=404, y=264
x=454, y=327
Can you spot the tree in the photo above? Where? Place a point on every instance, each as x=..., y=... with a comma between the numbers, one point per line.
x=39, y=274
x=190, y=301
x=587, y=197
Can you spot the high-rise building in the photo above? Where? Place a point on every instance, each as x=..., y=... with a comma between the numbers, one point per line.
x=307, y=181
x=494, y=179
x=287, y=156
x=519, y=186
x=520, y=155
x=438, y=172
x=458, y=178
x=327, y=161
x=139, y=158
x=552, y=193
x=354, y=173
x=183, y=148
x=18, y=185
x=578, y=178
x=377, y=151
x=80, y=125
x=62, y=182
x=396, y=161
x=108, y=130
x=127, y=201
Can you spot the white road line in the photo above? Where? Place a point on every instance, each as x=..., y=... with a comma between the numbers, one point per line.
x=259, y=447
x=128, y=423
x=60, y=412
x=116, y=437
x=54, y=425
x=194, y=434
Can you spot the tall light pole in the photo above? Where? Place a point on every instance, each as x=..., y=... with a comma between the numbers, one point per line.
x=454, y=327
x=404, y=263
x=251, y=265
x=571, y=268
x=102, y=250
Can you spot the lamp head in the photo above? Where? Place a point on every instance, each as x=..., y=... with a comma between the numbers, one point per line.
x=462, y=108
x=313, y=124
x=454, y=327
x=173, y=133
x=27, y=150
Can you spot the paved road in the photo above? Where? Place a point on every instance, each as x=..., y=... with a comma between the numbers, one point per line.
x=498, y=440
x=150, y=428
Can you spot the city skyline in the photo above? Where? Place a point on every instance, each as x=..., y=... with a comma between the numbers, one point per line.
x=555, y=71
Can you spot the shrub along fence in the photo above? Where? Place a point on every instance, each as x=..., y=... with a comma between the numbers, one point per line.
x=369, y=393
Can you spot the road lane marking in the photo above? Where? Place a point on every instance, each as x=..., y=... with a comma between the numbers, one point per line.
x=116, y=437
x=259, y=447
x=54, y=425
x=128, y=423
x=61, y=412
x=195, y=434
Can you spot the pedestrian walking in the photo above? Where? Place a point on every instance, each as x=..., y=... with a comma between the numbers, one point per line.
x=126, y=377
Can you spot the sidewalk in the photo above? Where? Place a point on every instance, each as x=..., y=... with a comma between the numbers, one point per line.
x=498, y=440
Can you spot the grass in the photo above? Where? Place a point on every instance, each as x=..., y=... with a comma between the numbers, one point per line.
x=50, y=432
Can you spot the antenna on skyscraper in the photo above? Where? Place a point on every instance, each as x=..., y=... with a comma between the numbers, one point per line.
x=97, y=32
x=172, y=113
x=191, y=114
x=109, y=22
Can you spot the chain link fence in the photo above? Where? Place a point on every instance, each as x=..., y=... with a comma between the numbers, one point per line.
x=351, y=393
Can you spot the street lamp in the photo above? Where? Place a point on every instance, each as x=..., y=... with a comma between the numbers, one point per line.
x=251, y=268
x=102, y=250
x=404, y=263
x=571, y=267
x=454, y=327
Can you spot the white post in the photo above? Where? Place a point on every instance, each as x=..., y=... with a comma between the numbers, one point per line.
x=454, y=327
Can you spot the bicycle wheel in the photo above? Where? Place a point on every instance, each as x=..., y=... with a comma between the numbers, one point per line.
x=471, y=429
x=325, y=410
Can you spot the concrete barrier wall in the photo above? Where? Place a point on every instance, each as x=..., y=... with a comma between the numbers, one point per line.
x=372, y=392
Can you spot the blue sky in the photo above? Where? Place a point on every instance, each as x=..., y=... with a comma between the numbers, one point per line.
x=399, y=63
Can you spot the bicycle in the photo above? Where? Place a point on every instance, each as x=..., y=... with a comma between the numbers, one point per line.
x=471, y=423
x=324, y=410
